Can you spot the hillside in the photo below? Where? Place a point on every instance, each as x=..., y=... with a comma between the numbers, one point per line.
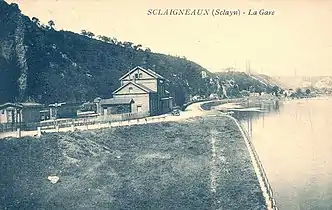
x=316, y=82
x=39, y=63
x=245, y=81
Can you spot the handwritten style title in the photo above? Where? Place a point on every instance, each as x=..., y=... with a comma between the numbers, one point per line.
x=213, y=12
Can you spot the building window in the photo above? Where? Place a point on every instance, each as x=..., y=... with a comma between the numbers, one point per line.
x=130, y=89
x=136, y=76
x=140, y=75
x=139, y=108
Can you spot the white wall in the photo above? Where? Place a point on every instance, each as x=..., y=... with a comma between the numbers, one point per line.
x=135, y=90
x=140, y=99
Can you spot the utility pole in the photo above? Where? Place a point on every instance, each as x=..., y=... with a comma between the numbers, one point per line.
x=248, y=70
x=247, y=66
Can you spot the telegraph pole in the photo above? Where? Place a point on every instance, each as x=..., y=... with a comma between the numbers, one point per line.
x=248, y=70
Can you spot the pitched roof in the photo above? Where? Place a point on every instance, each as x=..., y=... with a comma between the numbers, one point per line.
x=114, y=101
x=142, y=87
x=31, y=104
x=2, y=106
x=155, y=73
x=148, y=71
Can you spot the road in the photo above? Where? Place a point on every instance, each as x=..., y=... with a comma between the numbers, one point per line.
x=192, y=110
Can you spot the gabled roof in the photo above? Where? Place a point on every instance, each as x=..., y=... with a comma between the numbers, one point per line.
x=57, y=104
x=142, y=87
x=156, y=74
x=148, y=71
x=65, y=104
x=31, y=104
x=3, y=106
x=115, y=101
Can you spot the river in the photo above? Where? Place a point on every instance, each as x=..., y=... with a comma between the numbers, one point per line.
x=294, y=143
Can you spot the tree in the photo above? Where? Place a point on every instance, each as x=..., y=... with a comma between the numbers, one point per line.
x=114, y=41
x=104, y=38
x=90, y=34
x=15, y=6
x=275, y=90
x=298, y=92
x=307, y=91
x=87, y=33
x=35, y=21
x=137, y=47
x=84, y=32
x=128, y=44
x=51, y=24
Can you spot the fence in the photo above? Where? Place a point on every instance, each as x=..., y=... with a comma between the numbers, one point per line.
x=122, y=117
x=63, y=123
x=261, y=169
x=9, y=127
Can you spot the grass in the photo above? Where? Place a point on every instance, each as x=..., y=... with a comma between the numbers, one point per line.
x=153, y=166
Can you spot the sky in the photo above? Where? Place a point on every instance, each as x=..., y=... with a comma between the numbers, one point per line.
x=297, y=39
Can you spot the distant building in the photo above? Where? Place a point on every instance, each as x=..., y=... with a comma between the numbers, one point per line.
x=142, y=90
x=11, y=113
x=64, y=110
x=196, y=98
x=31, y=112
x=254, y=94
x=288, y=92
x=204, y=75
x=17, y=113
x=213, y=96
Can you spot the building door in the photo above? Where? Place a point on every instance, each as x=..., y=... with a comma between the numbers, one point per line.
x=139, y=108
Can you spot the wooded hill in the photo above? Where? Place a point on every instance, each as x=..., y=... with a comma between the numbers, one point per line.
x=39, y=63
x=45, y=65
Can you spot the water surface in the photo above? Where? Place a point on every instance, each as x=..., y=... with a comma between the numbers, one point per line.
x=294, y=143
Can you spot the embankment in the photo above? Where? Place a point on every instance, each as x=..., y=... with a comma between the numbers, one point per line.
x=251, y=101
x=256, y=163
x=199, y=163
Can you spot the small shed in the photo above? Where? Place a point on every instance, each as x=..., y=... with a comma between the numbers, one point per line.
x=64, y=110
x=10, y=113
x=116, y=106
x=31, y=111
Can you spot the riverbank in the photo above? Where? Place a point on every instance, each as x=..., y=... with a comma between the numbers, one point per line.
x=294, y=146
x=246, y=102
x=197, y=163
